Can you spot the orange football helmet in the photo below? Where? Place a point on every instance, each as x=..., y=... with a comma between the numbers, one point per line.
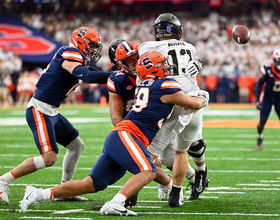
x=124, y=51
x=88, y=41
x=152, y=65
x=276, y=58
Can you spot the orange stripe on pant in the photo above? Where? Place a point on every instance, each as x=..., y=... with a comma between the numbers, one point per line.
x=45, y=132
x=132, y=153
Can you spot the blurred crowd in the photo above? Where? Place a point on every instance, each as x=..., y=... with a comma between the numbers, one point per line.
x=230, y=70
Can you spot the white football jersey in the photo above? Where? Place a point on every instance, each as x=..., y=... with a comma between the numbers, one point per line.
x=180, y=53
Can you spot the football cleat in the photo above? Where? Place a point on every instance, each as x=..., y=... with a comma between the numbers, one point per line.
x=32, y=196
x=260, y=143
x=116, y=208
x=162, y=190
x=176, y=198
x=193, y=194
x=201, y=181
x=131, y=201
x=4, y=190
x=71, y=199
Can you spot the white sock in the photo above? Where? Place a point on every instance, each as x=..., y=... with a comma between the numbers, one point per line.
x=260, y=135
x=190, y=174
x=198, y=168
x=169, y=185
x=177, y=186
x=120, y=197
x=47, y=194
x=9, y=177
x=71, y=159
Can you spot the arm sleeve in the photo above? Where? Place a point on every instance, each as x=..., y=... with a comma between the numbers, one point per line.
x=96, y=76
x=92, y=68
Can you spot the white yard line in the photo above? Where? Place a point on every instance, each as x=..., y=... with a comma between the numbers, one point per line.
x=145, y=213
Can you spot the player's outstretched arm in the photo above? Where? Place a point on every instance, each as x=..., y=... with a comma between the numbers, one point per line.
x=184, y=100
x=116, y=108
x=83, y=73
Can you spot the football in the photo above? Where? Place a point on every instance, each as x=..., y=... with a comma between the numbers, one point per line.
x=241, y=34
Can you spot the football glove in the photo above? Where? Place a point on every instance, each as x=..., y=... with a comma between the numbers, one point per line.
x=258, y=105
x=204, y=94
x=194, y=67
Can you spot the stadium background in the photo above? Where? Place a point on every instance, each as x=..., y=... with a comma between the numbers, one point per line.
x=244, y=181
x=230, y=70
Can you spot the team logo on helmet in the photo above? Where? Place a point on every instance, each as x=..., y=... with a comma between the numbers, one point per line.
x=168, y=29
x=148, y=63
x=157, y=21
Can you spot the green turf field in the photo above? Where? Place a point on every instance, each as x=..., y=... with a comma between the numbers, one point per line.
x=245, y=183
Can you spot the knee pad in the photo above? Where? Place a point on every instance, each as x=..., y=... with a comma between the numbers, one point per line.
x=39, y=163
x=197, y=150
x=76, y=145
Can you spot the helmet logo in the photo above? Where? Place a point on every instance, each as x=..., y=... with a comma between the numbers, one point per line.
x=148, y=63
x=82, y=32
x=157, y=21
x=168, y=28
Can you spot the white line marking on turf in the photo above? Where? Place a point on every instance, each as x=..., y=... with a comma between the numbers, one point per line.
x=148, y=213
x=209, y=189
x=67, y=211
x=208, y=158
x=225, y=192
x=161, y=213
x=242, y=142
x=37, y=217
x=243, y=171
x=270, y=181
x=256, y=184
x=22, y=121
x=209, y=197
x=210, y=171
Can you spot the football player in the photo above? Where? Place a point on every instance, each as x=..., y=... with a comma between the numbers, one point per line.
x=121, y=87
x=125, y=147
x=121, y=84
x=185, y=123
x=66, y=71
x=271, y=94
x=112, y=54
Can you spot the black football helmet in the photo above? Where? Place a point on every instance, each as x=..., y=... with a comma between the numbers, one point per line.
x=112, y=51
x=167, y=25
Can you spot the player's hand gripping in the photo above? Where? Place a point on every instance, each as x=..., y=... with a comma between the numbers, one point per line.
x=204, y=94
x=258, y=105
x=194, y=68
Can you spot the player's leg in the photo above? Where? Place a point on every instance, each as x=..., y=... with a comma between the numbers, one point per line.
x=165, y=158
x=183, y=141
x=197, y=150
x=264, y=113
x=179, y=171
x=161, y=145
x=68, y=189
x=104, y=172
x=68, y=136
x=44, y=136
x=132, y=155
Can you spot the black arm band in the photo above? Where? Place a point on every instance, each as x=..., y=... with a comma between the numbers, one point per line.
x=83, y=73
